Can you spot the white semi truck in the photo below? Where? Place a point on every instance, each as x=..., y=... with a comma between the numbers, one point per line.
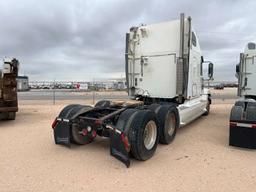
x=164, y=74
x=243, y=113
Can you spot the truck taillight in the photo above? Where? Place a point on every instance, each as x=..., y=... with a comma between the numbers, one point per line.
x=126, y=142
x=233, y=124
x=98, y=122
x=54, y=123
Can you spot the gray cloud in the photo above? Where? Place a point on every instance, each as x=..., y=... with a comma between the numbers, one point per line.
x=81, y=40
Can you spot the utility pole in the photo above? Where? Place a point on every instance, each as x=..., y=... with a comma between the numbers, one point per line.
x=93, y=93
x=54, y=92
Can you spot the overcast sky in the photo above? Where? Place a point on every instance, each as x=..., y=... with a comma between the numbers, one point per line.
x=85, y=39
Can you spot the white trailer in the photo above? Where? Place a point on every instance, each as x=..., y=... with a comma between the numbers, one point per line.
x=243, y=113
x=164, y=75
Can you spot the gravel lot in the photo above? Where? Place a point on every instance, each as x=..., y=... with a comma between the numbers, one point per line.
x=199, y=159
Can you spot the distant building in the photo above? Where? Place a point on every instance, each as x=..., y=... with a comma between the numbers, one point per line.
x=22, y=83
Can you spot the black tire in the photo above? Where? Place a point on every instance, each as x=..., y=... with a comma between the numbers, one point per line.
x=240, y=103
x=103, y=103
x=78, y=137
x=251, y=113
x=8, y=116
x=125, y=120
x=162, y=113
x=137, y=133
x=236, y=113
x=11, y=115
x=71, y=112
x=168, y=118
x=4, y=116
x=154, y=107
x=66, y=112
x=207, y=109
x=76, y=128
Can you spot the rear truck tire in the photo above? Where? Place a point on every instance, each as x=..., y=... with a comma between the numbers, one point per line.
x=8, y=116
x=124, y=122
x=11, y=115
x=4, y=116
x=125, y=119
x=72, y=111
x=251, y=111
x=143, y=134
x=103, y=103
x=241, y=129
x=66, y=112
x=169, y=123
x=168, y=118
x=80, y=135
x=207, y=108
x=236, y=113
x=240, y=103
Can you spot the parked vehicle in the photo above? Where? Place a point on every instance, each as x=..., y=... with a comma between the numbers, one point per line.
x=219, y=86
x=8, y=89
x=164, y=69
x=243, y=113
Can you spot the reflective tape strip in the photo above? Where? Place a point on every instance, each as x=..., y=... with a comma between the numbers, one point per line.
x=58, y=119
x=109, y=127
x=116, y=130
x=66, y=120
x=248, y=125
x=119, y=132
x=244, y=125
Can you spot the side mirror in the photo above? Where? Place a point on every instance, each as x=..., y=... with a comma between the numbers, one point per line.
x=210, y=70
x=237, y=68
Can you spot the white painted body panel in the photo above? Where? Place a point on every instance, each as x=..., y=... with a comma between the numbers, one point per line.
x=159, y=45
x=155, y=81
x=192, y=109
x=248, y=71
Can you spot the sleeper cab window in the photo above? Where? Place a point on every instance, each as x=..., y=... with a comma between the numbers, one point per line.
x=251, y=46
x=193, y=39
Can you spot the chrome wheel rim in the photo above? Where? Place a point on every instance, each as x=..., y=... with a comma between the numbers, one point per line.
x=170, y=123
x=150, y=134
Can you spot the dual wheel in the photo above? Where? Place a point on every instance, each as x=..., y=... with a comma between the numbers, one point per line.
x=8, y=116
x=146, y=128
x=81, y=133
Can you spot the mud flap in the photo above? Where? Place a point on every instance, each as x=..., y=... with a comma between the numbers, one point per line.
x=242, y=134
x=117, y=148
x=62, y=133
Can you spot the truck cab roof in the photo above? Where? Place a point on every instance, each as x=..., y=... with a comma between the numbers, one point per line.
x=250, y=49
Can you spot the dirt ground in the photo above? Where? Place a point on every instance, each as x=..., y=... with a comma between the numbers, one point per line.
x=199, y=159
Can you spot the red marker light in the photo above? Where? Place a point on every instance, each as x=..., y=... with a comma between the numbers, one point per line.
x=54, y=123
x=126, y=142
x=94, y=134
x=84, y=132
x=232, y=124
x=98, y=122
